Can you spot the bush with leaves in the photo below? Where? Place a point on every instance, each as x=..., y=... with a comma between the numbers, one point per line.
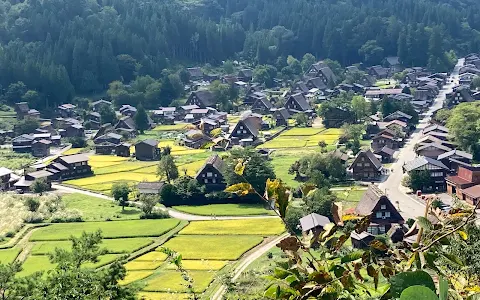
x=120, y=193
x=335, y=272
x=40, y=186
x=148, y=203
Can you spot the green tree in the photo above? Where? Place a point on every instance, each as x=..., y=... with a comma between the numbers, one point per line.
x=148, y=203
x=107, y=115
x=292, y=219
x=463, y=126
x=301, y=119
x=371, y=53
x=360, y=107
x=320, y=201
x=307, y=61
x=228, y=67
x=257, y=169
x=25, y=126
x=475, y=82
x=141, y=119
x=442, y=115
x=265, y=74
x=294, y=65
x=34, y=99
x=167, y=168
x=40, y=186
x=120, y=193
x=15, y=92
x=420, y=180
x=127, y=66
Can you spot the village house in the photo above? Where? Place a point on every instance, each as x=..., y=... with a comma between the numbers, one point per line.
x=123, y=150
x=393, y=63
x=435, y=128
x=7, y=179
x=398, y=115
x=41, y=148
x=71, y=166
x=66, y=110
x=281, y=116
x=383, y=213
x=245, y=75
x=147, y=150
x=195, y=139
x=211, y=174
x=73, y=130
x=183, y=110
x=386, y=154
x=432, y=150
x=313, y=223
x=22, y=110
x=110, y=137
x=98, y=105
x=438, y=171
x=246, y=128
x=105, y=148
x=195, y=73
x=262, y=105
x=376, y=93
x=378, y=72
x=465, y=185
x=366, y=166
x=127, y=110
x=202, y=99
x=455, y=158
x=254, y=96
x=150, y=188
x=207, y=125
x=315, y=83
x=95, y=119
x=297, y=103
x=429, y=139
x=323, y=71
x=128, y=124
x=460, y=94
x=23, y=143
x=25, y=182
x=386, y=138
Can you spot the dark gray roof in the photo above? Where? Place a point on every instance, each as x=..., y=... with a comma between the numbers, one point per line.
x=246, y=73
x=150, y=142
x=74, y=158
x=385, y=150
x=126, y=121
x=398, y=113
x=435, y=127
x=435, y=145
x=251, y=125
x=150, y=185
x=264, y=102
x=422, y=161
x=206, y=97
x=328, y=73
x=195, y=72
x=370, y=156
x=393, y=60
x=313, y=220
x=283, y=112
x=455, y=152
x=101, y=101
x=369, y=200
x=301, y=101
x=317, y=82
x=302, y=87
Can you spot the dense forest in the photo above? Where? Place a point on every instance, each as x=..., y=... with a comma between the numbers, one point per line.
x=62, y=48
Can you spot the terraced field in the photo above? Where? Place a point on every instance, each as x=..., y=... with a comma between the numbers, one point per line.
x=304, y=138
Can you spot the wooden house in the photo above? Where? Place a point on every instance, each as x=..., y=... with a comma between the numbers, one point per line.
x=438, y=171
x=432, y=150
x=202, y=99
x=211, y=174
x=195, y=73
x=66, y=110
x=110, y=137
x=98, y=105
x=386, y=154
x=23, y=110
x=383, y=213
x=455, y=158
x=465, y=185
x=126, y=123
x=245, y=75
x=105, y=148
x=123, y=150
x=313, y=223
x=41, y=148
x=262, y=105
x=323, y=71
x=147, y=150
x=95, y=119
x=23, y=143
x=195, y=139
x=72, y=166
x=128, y=110
x=398, y=115
x=366, y=166
x=297, y=103
x=7, y=179
x=246, y=129
x=460, y=94
x=150, y=188
x=281, y=116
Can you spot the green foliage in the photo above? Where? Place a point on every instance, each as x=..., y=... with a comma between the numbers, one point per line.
x=77, y=142
x=405, y=280
x=463, y=126
x=308, y=60
x=371, y=52
x=148, y=203
x=26, y=126
x=257, y=169
x=320, y=201
x=265, y=74
x=418, y=292
x=420, y=180
x=167, y=168
x=120, y=193
x=40, y=186
x=107, y=115
x=301, y=119
x=141, y=119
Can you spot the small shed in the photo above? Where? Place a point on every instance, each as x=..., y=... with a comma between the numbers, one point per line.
x=123, y=150
x=313, y=222
x=150, y=188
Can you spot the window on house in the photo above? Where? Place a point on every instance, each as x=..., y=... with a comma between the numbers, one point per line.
x=362, y=159
x=383, y=207
x=436, y=174
x=206, y=181
x=387, y=214
x=367, y=164
x=214, y=180
x=381, y=229
x=359, y=164
x=209, y=174
x=379, y=214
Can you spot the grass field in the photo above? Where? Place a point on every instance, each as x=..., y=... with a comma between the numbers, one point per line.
x=281, y=164
x=350, y=197
x=152, y=256
x=114, y=229
x=304, y=137
x=225, y=210
x=113, y=246
x=225, y=247
x=163, y=296
x=301, y=131
x=205, y=265
x=134, y=276
x=98, y=209
x=261, y=226
x=8, y=255
x=143, y=265
x=172, y=281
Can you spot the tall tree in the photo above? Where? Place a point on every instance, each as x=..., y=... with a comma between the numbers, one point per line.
x=141, y=119
x=167, y=168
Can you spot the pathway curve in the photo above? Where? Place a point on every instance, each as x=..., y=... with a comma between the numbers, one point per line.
x=410, y=207
x=244, y=263
x=173, y=213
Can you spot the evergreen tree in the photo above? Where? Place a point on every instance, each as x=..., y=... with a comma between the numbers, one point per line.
x=141, y=119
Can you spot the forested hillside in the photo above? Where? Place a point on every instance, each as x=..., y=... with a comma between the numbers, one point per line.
x=65, y=47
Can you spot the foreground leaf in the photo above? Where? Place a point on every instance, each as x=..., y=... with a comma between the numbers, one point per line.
x=241, y=189
x=418, y=292
x=404, y=280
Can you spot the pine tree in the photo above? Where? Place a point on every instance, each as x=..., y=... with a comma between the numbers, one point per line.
x=141, y=119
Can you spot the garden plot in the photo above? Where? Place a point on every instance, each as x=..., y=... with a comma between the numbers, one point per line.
x=261, y=226
x=225, y=209
x=172, y=281
x=225, y=247
x=8, y=255
x=110, y=230
x=113, y=246
x=98, y=209
x=304, y=137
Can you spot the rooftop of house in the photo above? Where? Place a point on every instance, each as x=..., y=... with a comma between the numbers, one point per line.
x=370, y=156
x=150, y=185
x=74, y=158
x=422, y=161
x=313, y=220
x=149, y=142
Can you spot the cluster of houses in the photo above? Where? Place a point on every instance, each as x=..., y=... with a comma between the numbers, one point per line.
x=464, y=92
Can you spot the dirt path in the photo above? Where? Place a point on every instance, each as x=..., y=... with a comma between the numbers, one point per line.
x=245, y=262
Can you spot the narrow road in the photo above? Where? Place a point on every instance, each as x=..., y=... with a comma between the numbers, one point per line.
x=410, y=207
x=173, y=213
x=244, y=263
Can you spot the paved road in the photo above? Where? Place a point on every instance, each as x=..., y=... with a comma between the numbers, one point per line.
x=173, y=213
x=410, y=207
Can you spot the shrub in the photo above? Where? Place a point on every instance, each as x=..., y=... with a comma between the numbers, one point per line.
x=156, y=215
x=67, y=216
x=32, y=204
